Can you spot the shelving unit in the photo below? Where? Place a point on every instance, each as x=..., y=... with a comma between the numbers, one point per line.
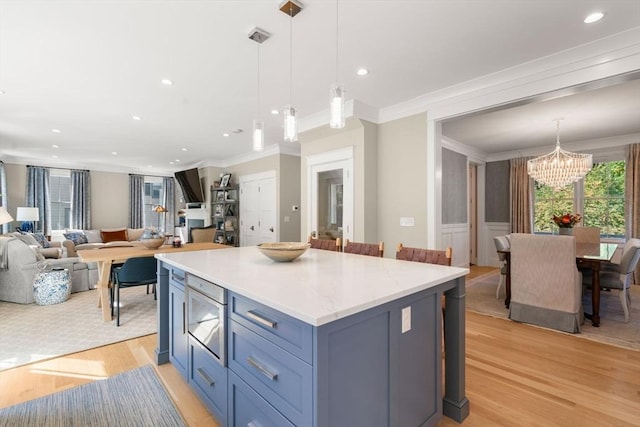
x=225, y=213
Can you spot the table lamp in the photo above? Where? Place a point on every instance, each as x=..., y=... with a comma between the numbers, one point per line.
x=5, y=217
x=161, y=210
x=27, y=215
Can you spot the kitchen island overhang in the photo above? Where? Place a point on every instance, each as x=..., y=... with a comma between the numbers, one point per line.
x=328, y=291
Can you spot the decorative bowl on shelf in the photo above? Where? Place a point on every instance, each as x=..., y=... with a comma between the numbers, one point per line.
x=153, y=243
x=283, y=251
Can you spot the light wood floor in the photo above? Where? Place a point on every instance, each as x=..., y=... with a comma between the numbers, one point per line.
x=517, y=375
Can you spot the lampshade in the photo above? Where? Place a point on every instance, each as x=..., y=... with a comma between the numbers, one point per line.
x=5, y=217
x=28, y=214
x=160, y=209
x=559, y=168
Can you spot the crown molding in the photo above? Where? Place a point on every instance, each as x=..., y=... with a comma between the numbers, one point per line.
x=473, y=154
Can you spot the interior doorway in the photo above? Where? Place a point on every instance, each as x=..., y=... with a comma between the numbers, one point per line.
x=473, y=213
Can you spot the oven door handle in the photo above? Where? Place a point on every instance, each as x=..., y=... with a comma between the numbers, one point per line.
x=261, y=319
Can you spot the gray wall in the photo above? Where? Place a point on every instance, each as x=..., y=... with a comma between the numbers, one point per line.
x=454, y=187
x=496, y=208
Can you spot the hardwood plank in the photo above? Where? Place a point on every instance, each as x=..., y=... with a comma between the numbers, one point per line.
x=517, y=375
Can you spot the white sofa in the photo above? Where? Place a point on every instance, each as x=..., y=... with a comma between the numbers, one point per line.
x=96, y=238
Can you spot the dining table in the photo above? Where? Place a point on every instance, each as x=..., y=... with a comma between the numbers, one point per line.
x=107, y=255
x=589, y=256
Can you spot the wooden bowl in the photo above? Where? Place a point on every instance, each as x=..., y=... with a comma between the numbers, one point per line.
x=283, y=251
x=154, y=243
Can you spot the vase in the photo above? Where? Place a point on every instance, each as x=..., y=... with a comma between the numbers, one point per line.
x=565, y=231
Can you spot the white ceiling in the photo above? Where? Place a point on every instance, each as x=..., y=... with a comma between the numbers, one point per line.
x=86, y=67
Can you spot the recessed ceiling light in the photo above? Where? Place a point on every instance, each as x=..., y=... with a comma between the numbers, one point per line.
x=56, y=130
x=54, y=156
x=275, y=112
x=184, y=149
x=177, y=160
x=170, y=163
x=594, y=17
x=2, y=92
x=362, y=72
x=55, y=146
x=167, y=82
x=237, y=131
x=137, y=118
x=149, y=166
x=225, y=134
x=115, y=153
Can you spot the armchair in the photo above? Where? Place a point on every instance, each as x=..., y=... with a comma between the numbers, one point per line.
x=546, y=286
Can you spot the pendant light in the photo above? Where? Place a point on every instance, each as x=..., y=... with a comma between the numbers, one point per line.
x=259, y=36
x=291, y=8
x=336, y=93
x=559, y=168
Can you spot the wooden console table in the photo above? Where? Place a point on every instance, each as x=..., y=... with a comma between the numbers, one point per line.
x=106, y=256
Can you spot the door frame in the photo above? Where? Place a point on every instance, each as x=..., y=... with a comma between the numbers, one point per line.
x=329, y=160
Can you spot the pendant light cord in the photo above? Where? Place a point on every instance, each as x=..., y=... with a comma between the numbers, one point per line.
x=258, y=97
x=337, y=34
x=290, y=54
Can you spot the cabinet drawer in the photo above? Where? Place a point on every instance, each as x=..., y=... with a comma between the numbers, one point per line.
x=209, y=380
x=177, y=277
x=291, y=334
x=281, y=378
x=247, y=408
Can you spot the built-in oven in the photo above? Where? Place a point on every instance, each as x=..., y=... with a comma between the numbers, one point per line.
x=206, y=314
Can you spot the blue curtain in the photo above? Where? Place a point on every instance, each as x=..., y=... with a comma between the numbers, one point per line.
x=169, y=202
x=38, y=196
x=80, y=199
x=136, y=201
x=3, y=195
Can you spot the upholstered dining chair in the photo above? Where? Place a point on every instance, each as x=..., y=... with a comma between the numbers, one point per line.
x=619, y=276
x=429, y=256
x=326, y=244
x=586, y=234
x=546, y=286
x=133, y=272
x=202, y=234
x=371, y=249
x=502, y=245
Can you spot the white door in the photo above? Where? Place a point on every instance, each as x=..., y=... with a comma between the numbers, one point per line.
x=330, y=181
x=258, y=218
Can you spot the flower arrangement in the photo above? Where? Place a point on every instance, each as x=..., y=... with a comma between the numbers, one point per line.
x=567, y=220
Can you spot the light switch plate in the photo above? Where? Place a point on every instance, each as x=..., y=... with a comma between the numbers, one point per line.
x=407, y=221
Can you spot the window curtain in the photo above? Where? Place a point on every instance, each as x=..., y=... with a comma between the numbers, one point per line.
x=632, y=196
x=38, y=195
x=3, y=195
x=169, y=202
x=80, y=199
x=520, y=188
x=136, y=201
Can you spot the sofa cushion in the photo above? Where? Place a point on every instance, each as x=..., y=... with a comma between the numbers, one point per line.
x=51, y=252
x=93, y=236
x=134, y=233
x=77, y=237
x=114, y=236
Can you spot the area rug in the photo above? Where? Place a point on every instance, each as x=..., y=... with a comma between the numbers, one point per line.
x=481, y=298
x=132, y=398
x=30, y=333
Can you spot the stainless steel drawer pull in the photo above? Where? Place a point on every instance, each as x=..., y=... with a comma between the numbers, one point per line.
x=263, y=370
x=207, y=379
x=178, y=278
x=261, y=319
x=254, y=424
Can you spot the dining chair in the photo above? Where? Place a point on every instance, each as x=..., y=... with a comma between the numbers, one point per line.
x=326, y=244
x=202, y=234
x=133, y=272
x=502, y=245
x=586, y=234
x=619, y=276
x=370, y=249
x=429, y=256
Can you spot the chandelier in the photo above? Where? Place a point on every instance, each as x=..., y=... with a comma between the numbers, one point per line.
x=559, y=168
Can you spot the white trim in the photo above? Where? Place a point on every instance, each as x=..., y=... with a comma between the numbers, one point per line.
x=473, y=154
x=256, y=176
x=331, y=156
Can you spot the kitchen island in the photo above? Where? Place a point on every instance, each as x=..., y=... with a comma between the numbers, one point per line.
x=331, y=339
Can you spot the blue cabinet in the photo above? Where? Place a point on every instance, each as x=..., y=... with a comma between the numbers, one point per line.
x=208, y=378
x=178, y=344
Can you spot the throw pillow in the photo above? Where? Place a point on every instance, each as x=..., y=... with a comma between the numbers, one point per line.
x=93, y=236
x=77, y=237
x=36, y=252
x=114, y=236
x=44, y=242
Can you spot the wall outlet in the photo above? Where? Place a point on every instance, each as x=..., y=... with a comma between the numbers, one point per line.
x=407, y=221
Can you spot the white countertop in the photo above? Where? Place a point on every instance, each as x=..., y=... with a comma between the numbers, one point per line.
x=317, y=288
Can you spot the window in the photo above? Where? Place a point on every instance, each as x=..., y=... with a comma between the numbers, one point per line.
x=152, y=198
x=599, y=198
x=60, y=194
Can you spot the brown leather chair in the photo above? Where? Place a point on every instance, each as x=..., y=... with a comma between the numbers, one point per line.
x=370, y=249
x=429, y=256
x=326, y=244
